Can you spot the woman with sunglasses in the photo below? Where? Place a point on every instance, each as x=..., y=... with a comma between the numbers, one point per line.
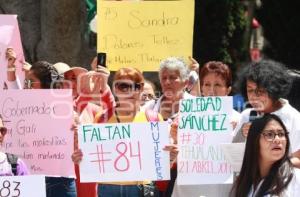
x=128, y=86
x=42, y=75
x=265, y=84
x=6, y=168
x=267, y=169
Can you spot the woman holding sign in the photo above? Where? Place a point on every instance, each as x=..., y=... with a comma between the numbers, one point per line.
x=10, y=165
x=174, y=80
x=215, y=80
x=267, y=169
x=42, y=75
x=127, y=86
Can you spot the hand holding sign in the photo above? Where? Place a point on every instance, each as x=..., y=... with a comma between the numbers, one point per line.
x=203, y=126
x=173, y=149
x=123, y=152
x=11, y=50
x=77, y=156
x=10, y=55
x=94, y=83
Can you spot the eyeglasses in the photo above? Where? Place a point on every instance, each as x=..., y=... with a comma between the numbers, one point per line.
x=270, y=135
x=128, y=87
x=3, y=130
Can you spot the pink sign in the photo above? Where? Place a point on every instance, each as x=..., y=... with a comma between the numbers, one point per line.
x=10, y=37
x=39, y=129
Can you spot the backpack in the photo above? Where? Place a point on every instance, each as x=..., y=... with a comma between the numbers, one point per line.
x=13, y=161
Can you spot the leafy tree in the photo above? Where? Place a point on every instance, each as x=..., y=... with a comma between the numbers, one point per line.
x=219, y=32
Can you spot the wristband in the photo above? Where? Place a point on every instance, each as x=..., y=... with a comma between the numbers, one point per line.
x=11, y=69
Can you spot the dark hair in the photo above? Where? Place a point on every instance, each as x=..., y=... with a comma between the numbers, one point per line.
x=218, y=68
x=280, y=173
x=46, y=73
x=267, y=74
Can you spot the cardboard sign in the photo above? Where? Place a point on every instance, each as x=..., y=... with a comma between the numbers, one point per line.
x=18, y=186
x=124, y=152
x=39, y=129
x=10, y=37
x=141, y=34
x=204, y=124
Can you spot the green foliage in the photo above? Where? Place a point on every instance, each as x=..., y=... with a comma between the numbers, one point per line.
x=91, y=7
x=219, y=31
x=280, y=22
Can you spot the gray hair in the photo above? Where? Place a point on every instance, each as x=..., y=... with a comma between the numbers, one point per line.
x=175, y=64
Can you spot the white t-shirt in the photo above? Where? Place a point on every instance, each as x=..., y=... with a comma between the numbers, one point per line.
x=289, y=116
x=292, y=190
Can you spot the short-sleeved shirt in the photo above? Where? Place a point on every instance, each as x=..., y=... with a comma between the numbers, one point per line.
x=292, y=190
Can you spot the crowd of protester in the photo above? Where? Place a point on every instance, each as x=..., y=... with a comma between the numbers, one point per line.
x=270, y=128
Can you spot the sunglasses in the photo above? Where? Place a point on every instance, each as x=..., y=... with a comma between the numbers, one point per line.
x=3, y=130
x=128, y=87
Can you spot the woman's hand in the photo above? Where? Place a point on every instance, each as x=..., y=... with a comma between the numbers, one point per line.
x=173, y=130
x=74, y=128
x=233, y=124
x=245, y=129
x=94, y=83
x=173, y=149
x=77, y=156
x=11, y=56
x=194, y=64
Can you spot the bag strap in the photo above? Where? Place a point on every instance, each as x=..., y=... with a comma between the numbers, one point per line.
x=13, y=161
x=152, y=116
